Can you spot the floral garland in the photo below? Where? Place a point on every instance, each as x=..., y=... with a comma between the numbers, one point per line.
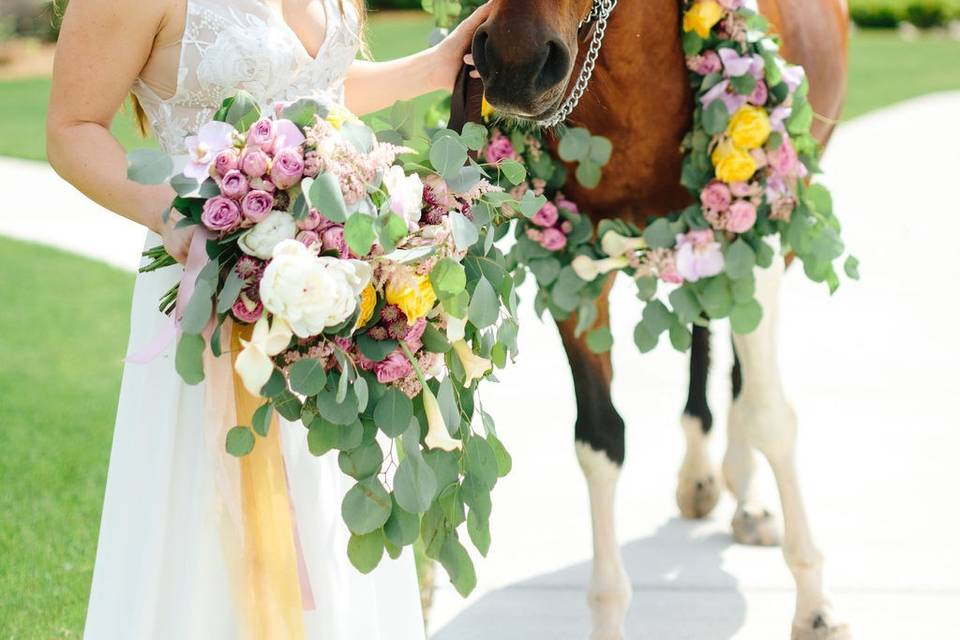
x=748, y=162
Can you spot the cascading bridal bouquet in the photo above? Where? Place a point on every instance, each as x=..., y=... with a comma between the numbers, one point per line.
x=364, y=296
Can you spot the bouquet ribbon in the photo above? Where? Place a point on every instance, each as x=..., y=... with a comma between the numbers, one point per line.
x=259, y=534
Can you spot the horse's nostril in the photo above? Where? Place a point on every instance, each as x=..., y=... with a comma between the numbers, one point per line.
x=556, y=66
x=481, y=40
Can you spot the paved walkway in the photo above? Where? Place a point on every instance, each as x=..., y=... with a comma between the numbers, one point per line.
x=873, y=373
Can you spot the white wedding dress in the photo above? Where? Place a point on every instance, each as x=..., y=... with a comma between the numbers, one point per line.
x=160, y=571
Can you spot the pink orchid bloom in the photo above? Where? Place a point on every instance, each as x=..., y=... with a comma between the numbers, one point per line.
x=203, y=148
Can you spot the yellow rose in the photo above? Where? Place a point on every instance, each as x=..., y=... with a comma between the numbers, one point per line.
x=702, y=16
x=339, y=115
x=732, y=163
x=749, y=128
x=412, y=293
x=368, y=303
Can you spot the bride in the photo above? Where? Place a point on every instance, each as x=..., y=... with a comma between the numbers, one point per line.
x=163, y=567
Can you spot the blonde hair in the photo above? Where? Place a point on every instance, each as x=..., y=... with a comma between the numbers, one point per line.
x=140, y=116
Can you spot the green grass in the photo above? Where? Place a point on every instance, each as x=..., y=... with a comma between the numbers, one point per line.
x=885, y=70
x=63, y=331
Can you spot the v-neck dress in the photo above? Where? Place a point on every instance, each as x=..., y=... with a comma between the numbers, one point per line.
x=161, y=571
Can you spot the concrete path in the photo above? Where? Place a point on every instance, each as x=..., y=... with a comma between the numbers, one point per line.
x=873, y=373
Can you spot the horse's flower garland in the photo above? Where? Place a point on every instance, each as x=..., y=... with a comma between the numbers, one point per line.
x=370, y=301
x=748, y=162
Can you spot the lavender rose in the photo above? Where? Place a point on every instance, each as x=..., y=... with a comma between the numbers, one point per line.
x=308, y=238
x=311, y=221
x=226, y=161
x=234, y=185
x=220, y=214
x=261, y=134
x=287, y=168
x=256, y=205
x=255, y=163
x=333, y=239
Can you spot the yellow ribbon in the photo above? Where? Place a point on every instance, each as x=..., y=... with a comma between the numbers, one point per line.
x=270, y=573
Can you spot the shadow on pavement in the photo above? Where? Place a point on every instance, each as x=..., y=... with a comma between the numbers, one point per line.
x=680, y=592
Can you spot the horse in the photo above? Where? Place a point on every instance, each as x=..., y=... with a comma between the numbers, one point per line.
x=528, y=54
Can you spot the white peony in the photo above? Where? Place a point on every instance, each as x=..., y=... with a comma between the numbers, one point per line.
x=406, y=194
x=263, y=238
x=309, y=292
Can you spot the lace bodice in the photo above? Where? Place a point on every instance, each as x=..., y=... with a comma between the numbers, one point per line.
x=232, y=45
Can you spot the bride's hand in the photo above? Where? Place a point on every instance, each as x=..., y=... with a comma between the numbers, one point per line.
x=177, y=241
x=451, y=54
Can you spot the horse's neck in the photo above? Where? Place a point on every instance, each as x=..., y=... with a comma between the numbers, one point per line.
x=640, y=98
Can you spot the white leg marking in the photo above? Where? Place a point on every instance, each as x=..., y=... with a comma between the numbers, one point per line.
x=610, y=589
x=753, y=523
x=697, y=487
x=765, y=421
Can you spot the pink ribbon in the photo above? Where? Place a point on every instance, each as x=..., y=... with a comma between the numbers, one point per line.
x=170, y=330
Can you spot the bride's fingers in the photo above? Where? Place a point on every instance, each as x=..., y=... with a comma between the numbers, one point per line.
x=468, y=60
x=475, y=74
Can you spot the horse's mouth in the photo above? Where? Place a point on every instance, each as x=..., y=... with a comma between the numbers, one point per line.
x=543, y=110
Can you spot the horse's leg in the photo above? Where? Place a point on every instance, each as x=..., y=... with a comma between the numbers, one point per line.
x=600, y=450
x=697, y=488
x=753, y=523
x=762, y=419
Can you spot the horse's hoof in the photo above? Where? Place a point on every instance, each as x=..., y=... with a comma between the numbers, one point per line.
x=820, y=626
x=756, y=527
x=697, y=495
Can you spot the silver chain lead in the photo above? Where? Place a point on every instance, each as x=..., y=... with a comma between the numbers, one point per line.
x=600, y=12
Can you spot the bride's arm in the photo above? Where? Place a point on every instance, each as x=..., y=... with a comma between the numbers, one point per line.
x=371, y=86
x=103, y=46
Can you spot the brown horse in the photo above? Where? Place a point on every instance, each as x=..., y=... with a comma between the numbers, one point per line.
x=527, y=52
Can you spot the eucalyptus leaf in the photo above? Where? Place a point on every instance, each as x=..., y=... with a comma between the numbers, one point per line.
x=365, y=551
x=366, y=506
x=240, y=441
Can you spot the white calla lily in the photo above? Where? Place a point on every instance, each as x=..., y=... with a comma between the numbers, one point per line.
x=437, y=435
x=615, y=245
x=474, y=366
x=254, y=364
x=456, y=328
x=589, y=269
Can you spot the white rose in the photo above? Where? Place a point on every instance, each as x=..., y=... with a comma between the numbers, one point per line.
x=309, y=292
x=263, y=238
x=406, y=194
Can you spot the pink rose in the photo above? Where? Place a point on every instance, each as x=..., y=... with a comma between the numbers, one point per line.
x=553, y=240
x=256, y=205
x=261, y=134
x=220, y=214
x=759, y=95
x=246, y=310
x=716, y=196
x=333, y=239
x=547, y=216
x=394, y=367
x=699, y=255
x=254, y=163
x=567, y=205
x=226, y=161
x=311, y=221
x=415, y=334
x=741, y=217
x=784, y=160
x=287, y=168
x=262, y=185
x=705, y=64
x=500, y=148
x=234, y=185
x=309, y=238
